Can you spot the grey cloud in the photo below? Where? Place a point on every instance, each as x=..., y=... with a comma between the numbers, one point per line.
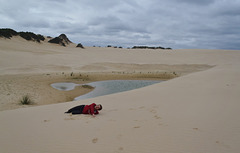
x=113, y=25
x=57, y=1
x=227, y=8
x=106, y=4
x=34, y=23
x=175, y=23
x=196, y=2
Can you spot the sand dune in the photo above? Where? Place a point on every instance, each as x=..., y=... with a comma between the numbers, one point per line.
x=196, y=112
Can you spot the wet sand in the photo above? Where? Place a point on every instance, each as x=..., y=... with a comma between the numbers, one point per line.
x=38, y=86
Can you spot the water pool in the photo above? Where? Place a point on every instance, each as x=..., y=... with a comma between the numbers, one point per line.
x=105, y=87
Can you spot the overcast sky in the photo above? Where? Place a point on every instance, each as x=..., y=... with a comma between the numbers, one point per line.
x=208, y=24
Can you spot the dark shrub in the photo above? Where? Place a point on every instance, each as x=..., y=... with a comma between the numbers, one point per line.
x=160, y=47
x=57, y=40
x=140, y=47
x=61, y=39
x=25, y=35
x=146, y=47
x=7, y=33
x=26, y=100
x=64, y=37
x=80, y=45
x=31, y=36
x=40, y=37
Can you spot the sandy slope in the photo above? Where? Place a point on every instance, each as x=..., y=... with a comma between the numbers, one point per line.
x=198, y=112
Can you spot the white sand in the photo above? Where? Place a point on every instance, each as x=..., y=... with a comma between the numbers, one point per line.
x=194, y=113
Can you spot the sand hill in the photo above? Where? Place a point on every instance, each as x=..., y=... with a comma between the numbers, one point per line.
x=195, y=112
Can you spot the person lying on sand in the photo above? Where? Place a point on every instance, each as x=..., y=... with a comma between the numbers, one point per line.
x=86, y=109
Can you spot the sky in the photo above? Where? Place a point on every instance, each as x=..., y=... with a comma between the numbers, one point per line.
x=179, y=24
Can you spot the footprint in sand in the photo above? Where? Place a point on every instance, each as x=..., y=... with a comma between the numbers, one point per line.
x=120, y=148
x=153, y=111
x=222, y=144
x=69, y=118
x=131, y=109
x=157, y=117
x=113, y=110
x=95, y=140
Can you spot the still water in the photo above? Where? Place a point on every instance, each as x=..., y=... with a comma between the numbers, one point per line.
x=64, y=86
x=105, y=87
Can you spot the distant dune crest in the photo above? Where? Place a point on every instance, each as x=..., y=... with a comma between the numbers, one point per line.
x=61, y=39
x=8, y=33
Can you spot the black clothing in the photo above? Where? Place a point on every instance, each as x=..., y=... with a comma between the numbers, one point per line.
x=76, y=110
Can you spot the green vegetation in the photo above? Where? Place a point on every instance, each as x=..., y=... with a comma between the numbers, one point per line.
x=26, y=100
x=147, y=47
x=87, y=86
x=61, y=40
x=31, y=36
x=57, y=40
x=8, y=33
x=80, y=45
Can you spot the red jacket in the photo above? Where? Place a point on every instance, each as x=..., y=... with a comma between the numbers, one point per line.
x=90, y=109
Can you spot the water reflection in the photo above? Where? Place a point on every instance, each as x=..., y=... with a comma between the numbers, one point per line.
x=105, y=87
x=64, y=86
x=114, y=86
